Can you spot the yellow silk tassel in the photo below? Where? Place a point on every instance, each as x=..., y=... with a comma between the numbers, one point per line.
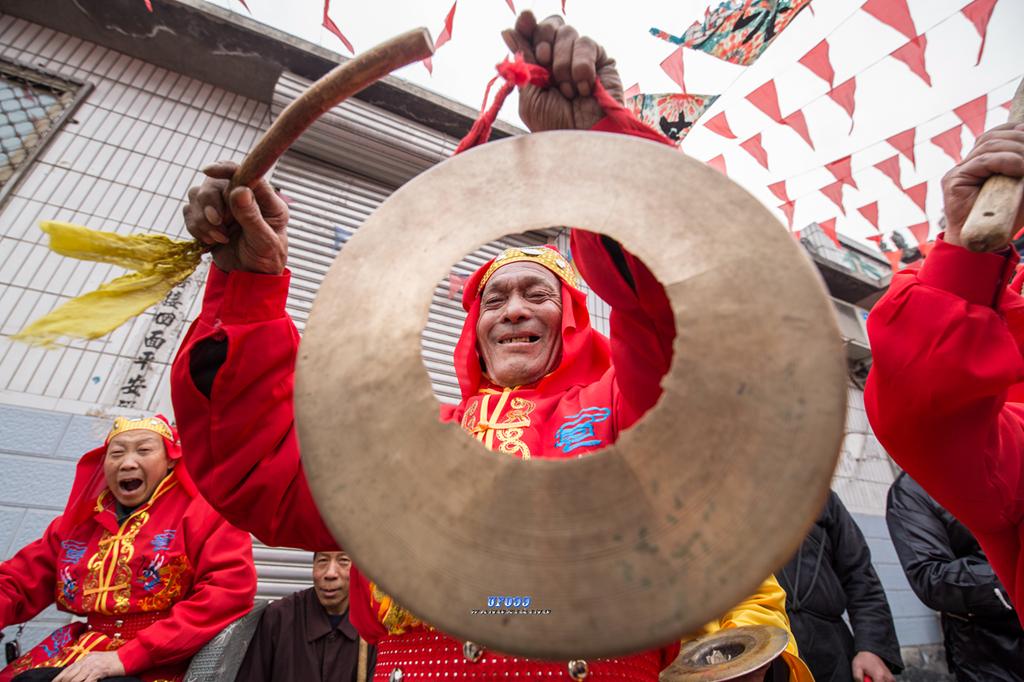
x=160, y=263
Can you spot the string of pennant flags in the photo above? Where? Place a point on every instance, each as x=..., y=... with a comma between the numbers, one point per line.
x=972, y=114
x=739, y=32
x=896, y=14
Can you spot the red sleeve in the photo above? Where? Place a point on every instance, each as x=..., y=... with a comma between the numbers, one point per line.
x=642, y=324
x=28, y=579
x=222, y=591
x=238, y=438
x=361, y=608
x=943, y=359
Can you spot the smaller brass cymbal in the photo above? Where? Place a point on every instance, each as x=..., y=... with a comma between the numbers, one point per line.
x=726, y=654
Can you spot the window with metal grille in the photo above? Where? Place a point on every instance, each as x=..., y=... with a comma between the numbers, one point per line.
x=33, y=105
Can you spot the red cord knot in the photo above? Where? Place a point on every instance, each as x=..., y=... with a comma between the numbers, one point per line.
x=519, y=73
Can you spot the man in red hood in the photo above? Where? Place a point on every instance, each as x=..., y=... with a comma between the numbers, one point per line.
x=536, y=379
x=944, y=393
x=138, y=554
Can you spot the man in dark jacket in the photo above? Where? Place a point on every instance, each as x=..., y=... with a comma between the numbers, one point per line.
x=832, y=573
x=307, y=637
x=949, y=573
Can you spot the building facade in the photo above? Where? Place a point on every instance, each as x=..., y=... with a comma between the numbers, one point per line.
x=112, y=111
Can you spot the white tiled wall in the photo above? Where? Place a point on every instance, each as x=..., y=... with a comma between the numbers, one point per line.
x=123, y=164
x=865, y=472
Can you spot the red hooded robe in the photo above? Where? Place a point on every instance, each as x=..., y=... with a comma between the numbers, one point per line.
x=944, y=393
x=155, y=588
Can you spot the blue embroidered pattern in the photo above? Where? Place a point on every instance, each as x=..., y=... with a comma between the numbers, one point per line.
x=162, y=541
x=578, y=430
x=68, y=584
x=73, y=551
x=57, y=641
x=151, y=574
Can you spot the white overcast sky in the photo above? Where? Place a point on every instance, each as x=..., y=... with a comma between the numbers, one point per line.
x=889, y=98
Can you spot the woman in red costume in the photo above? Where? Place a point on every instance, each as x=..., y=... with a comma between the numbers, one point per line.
x=138, y=553
x=537, y=380
x=945, y=394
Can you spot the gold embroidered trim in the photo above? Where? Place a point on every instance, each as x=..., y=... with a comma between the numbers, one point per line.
x=109, y=576
x=157, y=426
x=548, y=258
x=393, y=617
x=509, y=429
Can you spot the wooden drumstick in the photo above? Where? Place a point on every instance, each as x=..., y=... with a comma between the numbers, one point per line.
x=363, y=661
x=336, y=86
x=990, y=224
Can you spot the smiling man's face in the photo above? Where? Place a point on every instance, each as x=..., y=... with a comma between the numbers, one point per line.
x=519, y=330
x=135, y=463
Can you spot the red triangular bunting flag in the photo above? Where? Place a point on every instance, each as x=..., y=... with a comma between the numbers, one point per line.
x=563, y=7
x=797, y=122
x=904, y=143
x=834, y=191
x=333, y=27
x=673, y=66
x=894, y=259
x=829, y=228
x=841, y=170
x=766, y=99
x=920, y=232
x=843, y=95
x=893, y=13
x=443, y=37
x=926, y=248
x=632, y=91
x=719, y=124
x=242, y=3
x=951, y=142
x=870, y=213
x=789, y=208
x=876, y=238
x=818, y=62
x=511, y=6
x=912, y=54
x=1006, y=104
x=754, y=148
x=973, y=114
x=779, y=190
x=891, y=168
x=978, y=13
x=918, y=194
x=455, y=285
x=718, y=163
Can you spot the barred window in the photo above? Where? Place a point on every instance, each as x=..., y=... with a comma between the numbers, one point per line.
x=33, y=105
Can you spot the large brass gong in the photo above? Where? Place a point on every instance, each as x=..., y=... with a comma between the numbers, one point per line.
x=625, y=549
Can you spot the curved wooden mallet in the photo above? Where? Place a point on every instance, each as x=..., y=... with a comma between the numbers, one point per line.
x=331, y=89
x=989, y=226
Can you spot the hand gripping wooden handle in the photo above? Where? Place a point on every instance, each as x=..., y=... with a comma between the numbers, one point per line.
x=989, y=226
x=336, y=86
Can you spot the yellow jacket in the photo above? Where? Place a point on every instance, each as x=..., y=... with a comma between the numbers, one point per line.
x=767, y=606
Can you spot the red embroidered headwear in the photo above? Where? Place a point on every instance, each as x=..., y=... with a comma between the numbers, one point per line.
x=90, y=480
x=586, y=354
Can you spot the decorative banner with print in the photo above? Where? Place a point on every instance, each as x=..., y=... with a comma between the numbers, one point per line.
x=673, y=114
x=738, y=31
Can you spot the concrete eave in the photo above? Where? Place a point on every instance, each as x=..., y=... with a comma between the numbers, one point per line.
x=231, y=51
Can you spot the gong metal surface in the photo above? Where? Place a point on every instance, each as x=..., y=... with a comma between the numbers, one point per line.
x=726, y=654
x=617, y=551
